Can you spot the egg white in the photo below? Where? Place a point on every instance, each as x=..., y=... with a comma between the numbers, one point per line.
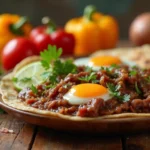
x=75, y=100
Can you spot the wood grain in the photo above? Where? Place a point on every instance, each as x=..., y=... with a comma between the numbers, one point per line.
x=138, y=142
x=22, y=136
x=48, y=139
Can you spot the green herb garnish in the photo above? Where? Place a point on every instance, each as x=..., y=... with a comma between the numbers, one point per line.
x=64, y=67
x=34, y=89
x=50, y=61
x=14, y=79
x=50, y=55
x=88, y=69
x=133, y=73
x=91, y=77
x=137, y=88
x=113, y=89
x=109, y=69
x=114, y=66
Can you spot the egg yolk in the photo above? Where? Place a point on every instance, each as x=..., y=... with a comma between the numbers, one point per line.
x=104, y=61
x=88, y=90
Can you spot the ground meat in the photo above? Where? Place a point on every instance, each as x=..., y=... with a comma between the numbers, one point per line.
x=92, y=108
x=134, y=82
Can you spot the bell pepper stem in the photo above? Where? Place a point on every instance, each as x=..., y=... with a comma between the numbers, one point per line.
x=17, y=27
x=88, y=11
x=51, y=26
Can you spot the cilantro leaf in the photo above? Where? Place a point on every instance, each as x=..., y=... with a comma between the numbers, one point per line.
x=137, y=88
x=50, y=55
x=53, y=79
x=50, y=60
x=109, y=69
x=133, y=73
x=34, y=89
x=134, y=67
x=112, y=66
x=14, y=79
x=45, y=64
x=113, y=89
x=88, y=69
x=69, y=67
x=91, y=77
x=63, y=68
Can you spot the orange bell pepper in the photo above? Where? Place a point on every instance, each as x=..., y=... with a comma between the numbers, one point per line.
x=12, y=26
x=93, y=31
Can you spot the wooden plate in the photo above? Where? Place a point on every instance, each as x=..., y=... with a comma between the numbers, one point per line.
x=105, y=126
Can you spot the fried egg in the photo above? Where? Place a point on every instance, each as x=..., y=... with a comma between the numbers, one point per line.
x=99, y=61
x=82, y=93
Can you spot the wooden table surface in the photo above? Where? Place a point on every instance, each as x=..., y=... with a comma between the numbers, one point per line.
x=31, y=137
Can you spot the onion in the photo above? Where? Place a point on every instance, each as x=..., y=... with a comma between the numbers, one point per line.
x=139, y=32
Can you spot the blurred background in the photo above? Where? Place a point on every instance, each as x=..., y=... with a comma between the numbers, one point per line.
x=63, y=10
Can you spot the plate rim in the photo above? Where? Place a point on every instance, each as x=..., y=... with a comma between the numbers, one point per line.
x=22, y=112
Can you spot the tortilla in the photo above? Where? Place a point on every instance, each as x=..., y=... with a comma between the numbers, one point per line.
x=138, y=55
x=9, y=97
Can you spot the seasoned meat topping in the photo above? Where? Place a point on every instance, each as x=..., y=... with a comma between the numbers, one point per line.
x=129, y=88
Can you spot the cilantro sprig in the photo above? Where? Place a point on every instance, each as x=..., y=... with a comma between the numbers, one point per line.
x=64, y=67
x=137, y=89
x=91, y=77
x=34, y=89
x=114, y=91
x=49, y=55
x=54, y=66
x=109, y=70
x=133, y=73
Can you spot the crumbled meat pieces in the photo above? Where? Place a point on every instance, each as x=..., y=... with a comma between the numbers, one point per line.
x=52, y=99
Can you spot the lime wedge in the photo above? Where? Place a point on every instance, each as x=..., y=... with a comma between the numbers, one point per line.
x=28, y=75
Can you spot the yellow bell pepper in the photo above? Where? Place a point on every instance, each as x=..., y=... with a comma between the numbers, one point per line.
x=93, y=31
x=12, y=26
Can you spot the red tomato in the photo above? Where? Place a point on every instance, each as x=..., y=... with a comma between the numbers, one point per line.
x=42, y=41
x=42, y=36
x=36, y=31
x=16, y=50
x=64, y=40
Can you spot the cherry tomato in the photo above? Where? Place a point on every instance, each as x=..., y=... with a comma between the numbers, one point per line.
x=42, y=36
x=42, y=41
x=64, y=40
x=16, y=50
x=36, y=31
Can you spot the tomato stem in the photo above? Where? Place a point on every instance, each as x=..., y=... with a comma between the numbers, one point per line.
x=88, y=11
x=51, y=26
x=16, y=28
